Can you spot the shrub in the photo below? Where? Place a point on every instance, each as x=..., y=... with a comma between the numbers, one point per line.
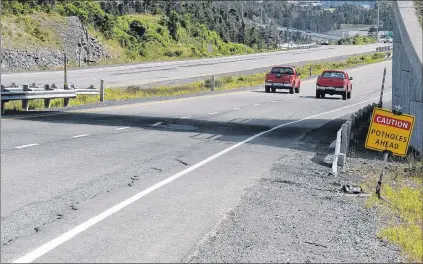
x=217, y=83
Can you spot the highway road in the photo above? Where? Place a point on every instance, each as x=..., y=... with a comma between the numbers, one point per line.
x=314, y=35
x=145, y=73
x=147, y=182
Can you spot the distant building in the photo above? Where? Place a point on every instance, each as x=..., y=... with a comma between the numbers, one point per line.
x=309, y=3
x=305, y=3
x=335, y=3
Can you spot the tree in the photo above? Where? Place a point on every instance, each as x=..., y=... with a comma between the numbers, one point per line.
x=173, y=24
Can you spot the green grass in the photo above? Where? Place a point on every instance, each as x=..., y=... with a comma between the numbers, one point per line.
x=221, y=84
x=30, y=31
x=403, y=219
x=356, y=40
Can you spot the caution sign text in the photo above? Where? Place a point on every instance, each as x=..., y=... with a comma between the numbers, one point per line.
x=390, y=132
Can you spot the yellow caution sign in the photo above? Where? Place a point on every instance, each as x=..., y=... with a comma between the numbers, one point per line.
x=390, y=132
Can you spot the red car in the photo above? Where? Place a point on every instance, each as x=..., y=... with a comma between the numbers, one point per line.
x=283, y=77
x=334, y=82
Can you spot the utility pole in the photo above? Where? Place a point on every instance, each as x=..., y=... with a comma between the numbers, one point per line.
x=242, y=10
x=377, y=27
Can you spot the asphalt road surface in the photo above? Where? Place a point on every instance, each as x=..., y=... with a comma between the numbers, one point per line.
x=145, y=73
x=146, y=182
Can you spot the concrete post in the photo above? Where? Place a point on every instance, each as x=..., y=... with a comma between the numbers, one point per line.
x=212, y=83
x=47, y=101
x=102, y=91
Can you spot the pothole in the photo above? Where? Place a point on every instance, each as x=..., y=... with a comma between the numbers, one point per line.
x=181, y=127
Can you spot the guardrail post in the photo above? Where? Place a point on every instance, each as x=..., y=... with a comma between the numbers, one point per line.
x=212, y=83
x=25, y=102
x=348, y=124
x=343, y=147
x=66, y=102
x=383, y=86
x=46, y=101
x=102, y=91
x=337, y=150
x=360, y=115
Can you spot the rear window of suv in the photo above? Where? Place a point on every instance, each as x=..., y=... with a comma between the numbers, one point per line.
x=338, y=75
x=282, y=70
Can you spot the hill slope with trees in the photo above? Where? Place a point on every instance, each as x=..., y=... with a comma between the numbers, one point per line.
x=140, y=30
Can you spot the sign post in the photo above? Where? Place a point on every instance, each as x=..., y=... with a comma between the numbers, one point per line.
x=383, y=86
x=389, y=132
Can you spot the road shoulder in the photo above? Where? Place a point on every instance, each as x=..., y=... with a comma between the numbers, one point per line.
x=297, y=213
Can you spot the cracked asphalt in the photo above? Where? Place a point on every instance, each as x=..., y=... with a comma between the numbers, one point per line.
x=62, y=169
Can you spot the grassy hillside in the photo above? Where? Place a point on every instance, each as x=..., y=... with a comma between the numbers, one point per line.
x=356, y=40
x=31, y=31
x=143, y=37
x=29, y=26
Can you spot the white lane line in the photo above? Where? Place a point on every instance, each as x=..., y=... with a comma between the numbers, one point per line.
x=121, y=128
x=185, y=117
x=213, y=113
x=26, y=146
x=236, y=108
x=79, y=136
x=256, y=104
x=157, y=124
x=273, y=101
x=42, y=250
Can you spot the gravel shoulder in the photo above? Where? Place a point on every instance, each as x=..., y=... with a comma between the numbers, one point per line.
x=297, y=213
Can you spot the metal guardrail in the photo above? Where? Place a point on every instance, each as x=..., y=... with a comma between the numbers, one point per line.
x=384, y=48
x=33, y=92
x=354, y=125
x=295, y=46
